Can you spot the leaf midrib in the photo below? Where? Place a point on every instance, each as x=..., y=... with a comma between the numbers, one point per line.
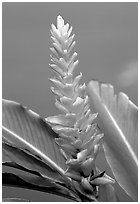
x=47, y=159
x=122, y=134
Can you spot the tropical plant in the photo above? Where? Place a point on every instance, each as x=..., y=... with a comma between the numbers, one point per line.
x=58, y=154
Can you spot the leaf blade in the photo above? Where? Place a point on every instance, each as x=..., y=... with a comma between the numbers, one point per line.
x=120, y=149
x=36, y=183
x=27, y=130
x=107, y=194
x=18, y=158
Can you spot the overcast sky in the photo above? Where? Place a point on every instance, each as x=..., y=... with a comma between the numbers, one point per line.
x=106, y=43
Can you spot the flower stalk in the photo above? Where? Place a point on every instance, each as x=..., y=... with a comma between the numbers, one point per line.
x=79, y=137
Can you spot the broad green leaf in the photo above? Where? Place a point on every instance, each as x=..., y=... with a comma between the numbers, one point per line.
x=17, y=158
x=28, y=131
x=117, y=119
x=36, y=183
x=19, y=167
x=107, y=193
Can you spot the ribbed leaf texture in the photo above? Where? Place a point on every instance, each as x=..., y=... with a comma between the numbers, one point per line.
x=20, y=159
x=118, y=120
x=79, y=136
x=107, y=193
x=34, y=141
x=33, y=182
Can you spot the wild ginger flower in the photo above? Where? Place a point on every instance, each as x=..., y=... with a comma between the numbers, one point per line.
x=79, y=136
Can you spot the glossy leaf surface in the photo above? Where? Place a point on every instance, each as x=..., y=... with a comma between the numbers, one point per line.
x=36, y=183
x=118, y=121
x=29, y=132
x=107, y=193
x=20, y=159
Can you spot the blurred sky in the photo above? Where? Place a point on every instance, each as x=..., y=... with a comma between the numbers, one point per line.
x=107, y=40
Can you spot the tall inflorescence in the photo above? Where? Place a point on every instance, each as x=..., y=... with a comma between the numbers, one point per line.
x=79, y=137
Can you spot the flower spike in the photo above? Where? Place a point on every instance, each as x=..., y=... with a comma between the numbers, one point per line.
x=79, y=136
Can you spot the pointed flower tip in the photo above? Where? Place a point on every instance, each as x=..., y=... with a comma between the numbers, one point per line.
x=59, y=17
x=73, y=176
x=51, y=79
x=98, y=138
x=86, y=185
x=102, y=181
x=82, y=155
x=46, y=119
x=60, y=22
x=87, y=166
x=71, y=161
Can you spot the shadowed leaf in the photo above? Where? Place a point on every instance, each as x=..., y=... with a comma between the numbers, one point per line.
x=107, y=193
x=118, y=121
x=36, y=183
x=17, y=158
x=28, y=131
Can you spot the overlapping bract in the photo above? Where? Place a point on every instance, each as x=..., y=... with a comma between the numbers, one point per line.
x=79, y=135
